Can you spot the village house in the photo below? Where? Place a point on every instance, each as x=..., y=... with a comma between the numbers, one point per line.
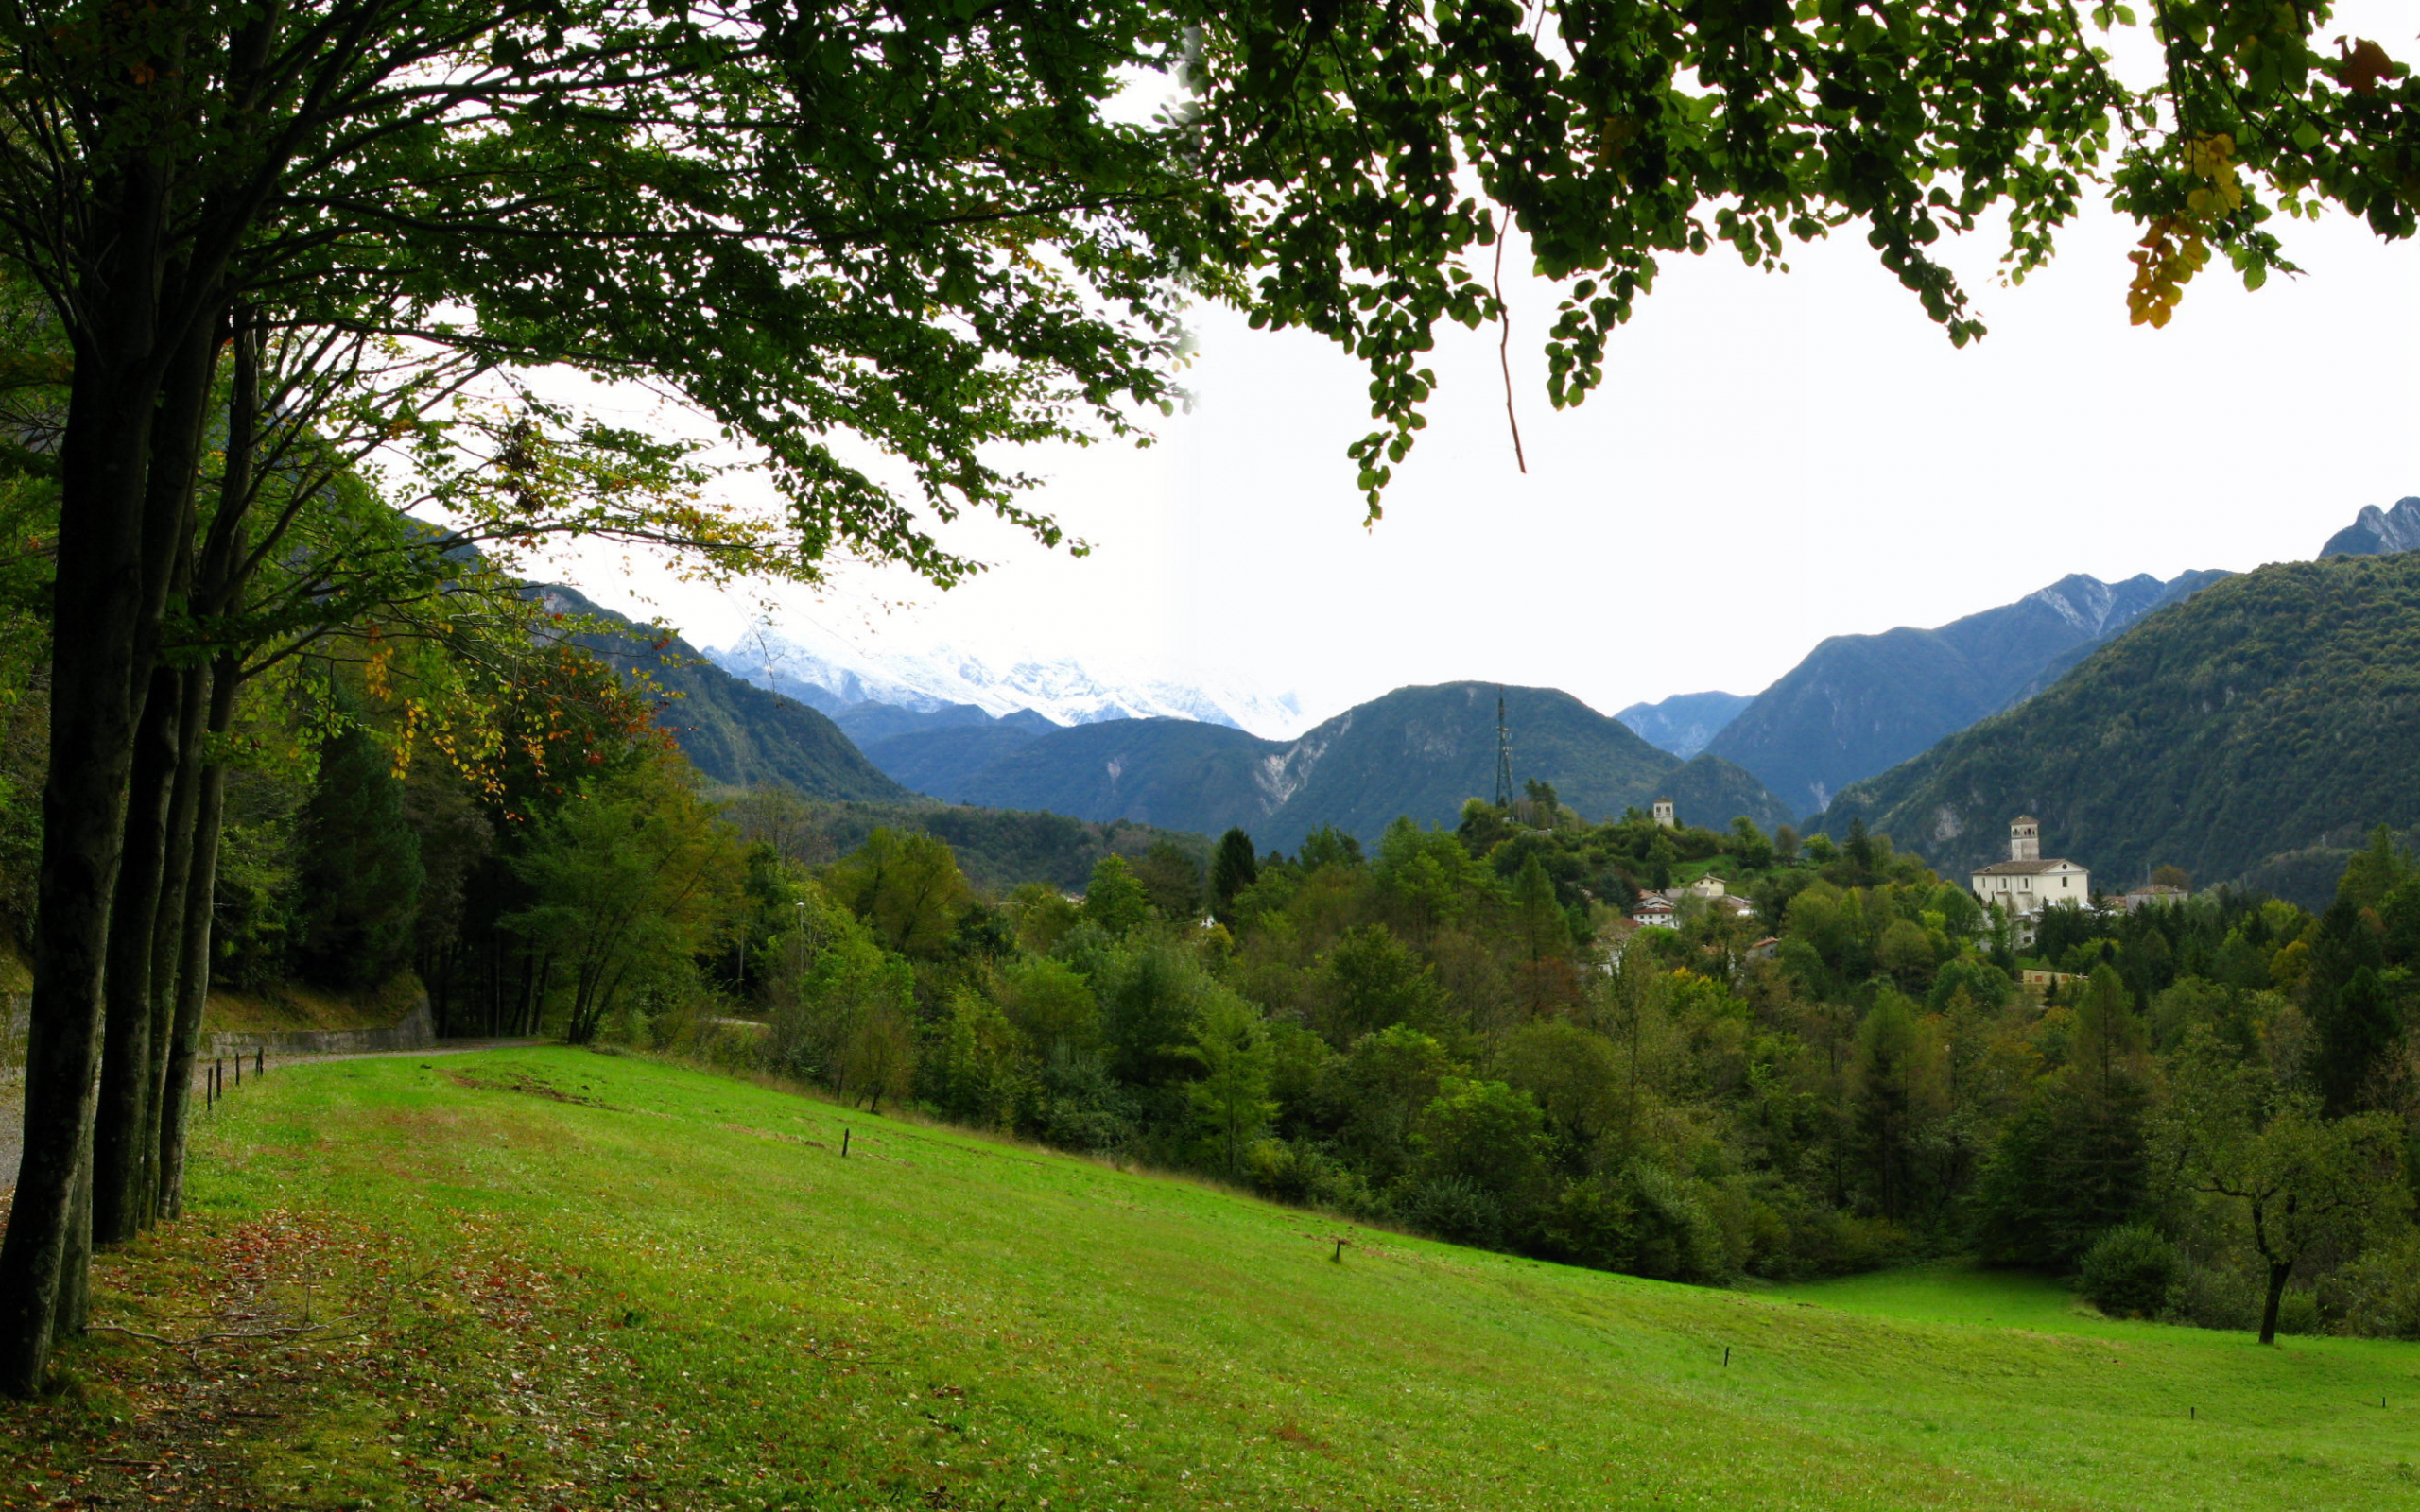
x=1663, y=908
x=2153, y=892
x=1654, y=910
x=2026, y=883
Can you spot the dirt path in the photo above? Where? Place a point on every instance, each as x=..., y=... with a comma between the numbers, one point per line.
x=12, y=1085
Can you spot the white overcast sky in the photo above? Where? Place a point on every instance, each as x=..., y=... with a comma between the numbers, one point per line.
x=1773, y=459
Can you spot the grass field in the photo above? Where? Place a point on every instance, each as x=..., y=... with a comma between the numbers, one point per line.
x=572, y=1279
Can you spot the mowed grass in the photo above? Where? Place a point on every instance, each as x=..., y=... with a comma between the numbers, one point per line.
x=721, y=1311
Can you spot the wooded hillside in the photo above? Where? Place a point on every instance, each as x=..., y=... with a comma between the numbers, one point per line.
x=2269, y=713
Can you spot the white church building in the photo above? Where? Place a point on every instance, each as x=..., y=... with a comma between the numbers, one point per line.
x=2025, y=883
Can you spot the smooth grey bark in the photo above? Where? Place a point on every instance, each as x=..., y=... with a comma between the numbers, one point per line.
x=72, y=1307
x=169, y=921
x=121, y=1163
x=193, y=971
x=218, y=586
x=121, y=1149
x=118, y=540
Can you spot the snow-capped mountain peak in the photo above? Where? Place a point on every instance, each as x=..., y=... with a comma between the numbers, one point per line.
x=830, y=672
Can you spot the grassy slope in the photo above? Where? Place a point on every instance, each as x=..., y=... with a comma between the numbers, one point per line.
x=1140, y=1341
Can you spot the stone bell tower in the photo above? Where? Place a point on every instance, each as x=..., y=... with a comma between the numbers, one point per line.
x=2025, y=839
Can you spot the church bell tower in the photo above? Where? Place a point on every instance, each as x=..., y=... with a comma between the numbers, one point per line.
x=2025, y=839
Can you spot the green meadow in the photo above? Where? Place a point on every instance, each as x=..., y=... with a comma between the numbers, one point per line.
x=563, y=1279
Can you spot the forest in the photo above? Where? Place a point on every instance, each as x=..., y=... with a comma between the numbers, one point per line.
x=2208, y=1114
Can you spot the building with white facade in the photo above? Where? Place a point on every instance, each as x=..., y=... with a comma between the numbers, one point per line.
x=2026, y=883
x=1664, y=813
x=1654, y=910
x=2150, y=894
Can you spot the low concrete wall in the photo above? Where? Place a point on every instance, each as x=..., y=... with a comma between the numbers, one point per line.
x=417, y=1031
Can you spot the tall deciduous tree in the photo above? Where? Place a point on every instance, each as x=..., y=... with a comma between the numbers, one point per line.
x=906, y=888
x=2295, y=1181
x=632, y=882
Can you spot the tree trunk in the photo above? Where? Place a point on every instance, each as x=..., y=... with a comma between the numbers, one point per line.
x=168, y=922
x=123, y=1117
x=72, y=1307
x=119, y=534
x=193, y=971
x=98, y=601
x=2277, y=1275
x=122, y=1145
x=218, y=583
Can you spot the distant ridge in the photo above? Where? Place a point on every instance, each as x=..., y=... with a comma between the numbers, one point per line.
x=1686, y=722
x=1862, y=704
x=2375, y=531
x=732, y=731
x=2253, y=732
x=834, y=675
x=1421, y=752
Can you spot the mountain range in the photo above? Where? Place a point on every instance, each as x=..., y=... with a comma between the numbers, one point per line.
x=1683, y=723
x=1860, y=704
x=828, y=673
x=2268, y=717
x=1421, y=752
x=730, y=730
x=2376, y=530
x=2237, y=726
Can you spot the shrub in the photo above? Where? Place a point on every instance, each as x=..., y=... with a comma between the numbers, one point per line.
x=2128, y=1271
x=2379, y=1296
x=2212, y=1297
x=1455, y=1208
x=1643, y=1221
x=1299, y=1173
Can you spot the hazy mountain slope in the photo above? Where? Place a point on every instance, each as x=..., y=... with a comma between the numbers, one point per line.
x=1426, y=750
x=866, y=723
x=1422, y=751
x=732, y=731
x=944, y=761
x=2374, y=531
x=1683, y=723
x=2267, y=715
x=1179, y=774
x=1709, y=791
x=1860, y=704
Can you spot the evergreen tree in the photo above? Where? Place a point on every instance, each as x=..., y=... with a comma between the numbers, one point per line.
x=2359, y=1028
x=1172, y=880
x=1234, y=869
x=1860, y=854
x=1231, y=1044
x=362, y=871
